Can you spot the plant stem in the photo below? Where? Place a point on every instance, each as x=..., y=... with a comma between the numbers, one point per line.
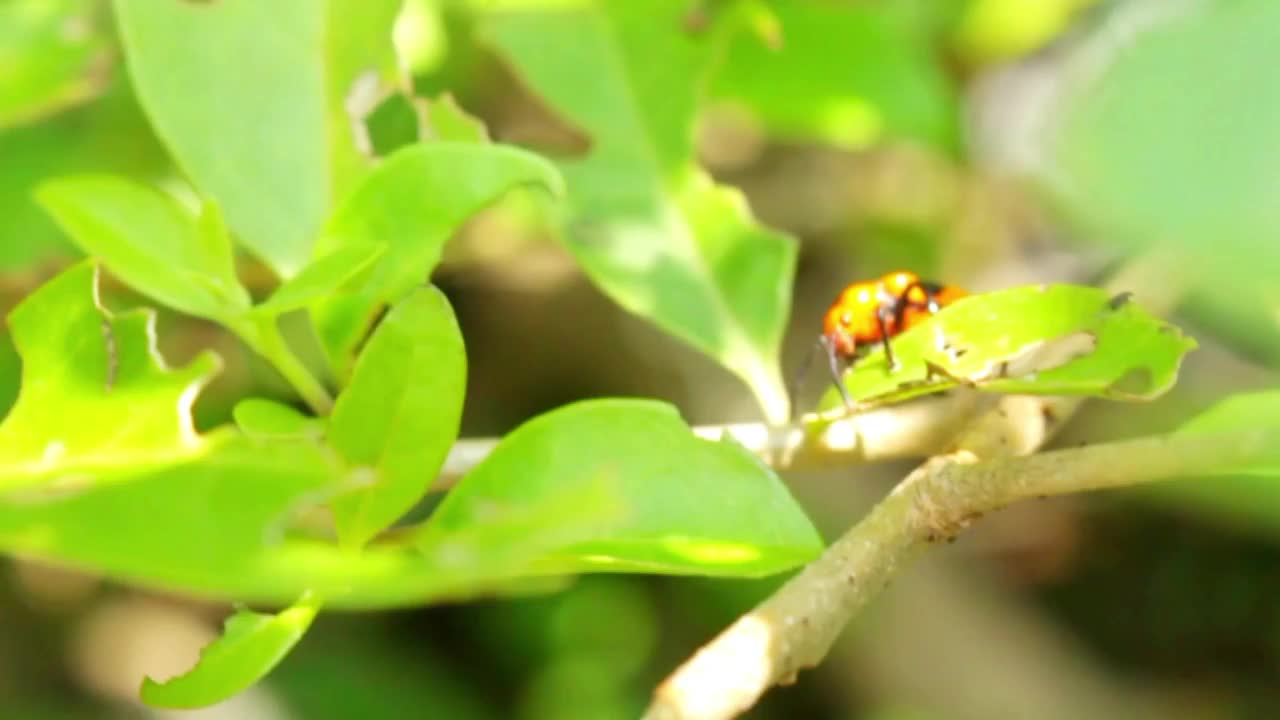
x=263, y=335
x=913, y=430
x=796, y=626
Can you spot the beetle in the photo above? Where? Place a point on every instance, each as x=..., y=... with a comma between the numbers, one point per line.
x=874, y=311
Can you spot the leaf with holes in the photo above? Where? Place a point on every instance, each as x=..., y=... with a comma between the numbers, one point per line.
x=250, y=646
x=81, y=362
x=100, y=467
x=1044, y=340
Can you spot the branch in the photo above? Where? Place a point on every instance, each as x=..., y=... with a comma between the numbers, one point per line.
x=795, y=627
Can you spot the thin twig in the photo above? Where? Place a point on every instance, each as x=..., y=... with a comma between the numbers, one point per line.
x=914, y=430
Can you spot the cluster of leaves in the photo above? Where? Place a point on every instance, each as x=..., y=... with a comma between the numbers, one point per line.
x=130, y=489
x=101, y=468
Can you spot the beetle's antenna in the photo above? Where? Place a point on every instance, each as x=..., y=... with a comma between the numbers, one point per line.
x=797, y=380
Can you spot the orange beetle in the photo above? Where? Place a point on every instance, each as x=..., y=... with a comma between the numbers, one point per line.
x=874, y=311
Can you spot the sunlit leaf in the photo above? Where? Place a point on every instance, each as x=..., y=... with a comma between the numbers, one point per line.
x=645, y=222
x=100, y=466
x=688, y=505
x=447, y=121
x=516, y=540
x=150, y=241
x=271, y=134
x=129, y=491
x=413, y=202
x=992, y=30
x=321, y=278
x=879, y=81
x=259, y=417
x=1047, y=340
x=399, y=414
x=251, y=645
x=95, y=395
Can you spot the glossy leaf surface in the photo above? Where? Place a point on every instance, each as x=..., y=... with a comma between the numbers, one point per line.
x=647, y=224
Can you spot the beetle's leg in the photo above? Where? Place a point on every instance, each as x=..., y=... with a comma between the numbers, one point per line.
x=833, y=364
x=883, y=315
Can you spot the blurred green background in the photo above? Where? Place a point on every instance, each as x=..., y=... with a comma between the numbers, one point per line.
x=984, y=143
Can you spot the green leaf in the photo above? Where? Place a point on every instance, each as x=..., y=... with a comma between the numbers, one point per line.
x=109, y=135
x=250, y=646
x=399, y=415
x=877, y=80
x=269, y=134
x=447, y=121
x=413, y=202
x=689, y=505
x=321, y=278
x=128, y=488
x=259, y=417
x=1155, y=150
x=103, y=371
x=54, y=54
x=515, y=540
x=646, y=223
x=1045, y=340
x=10, y=371
x=1244, y=496
x=150, y=241
x=131, y=492
x=1243, y=414
x=205, y=523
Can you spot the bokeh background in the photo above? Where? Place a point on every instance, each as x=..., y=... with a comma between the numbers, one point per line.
x=984, y=143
